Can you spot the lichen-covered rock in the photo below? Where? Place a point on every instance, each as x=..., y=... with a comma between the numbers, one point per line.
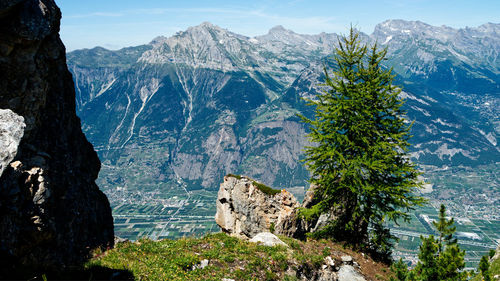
x=52, y=214
x=243, y=210
x=11, y=132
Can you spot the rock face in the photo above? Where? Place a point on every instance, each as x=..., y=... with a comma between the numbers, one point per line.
x=52, y=213
x=243, y=210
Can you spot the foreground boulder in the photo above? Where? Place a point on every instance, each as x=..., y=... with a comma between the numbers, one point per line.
x=52, y=213
x=245, y=209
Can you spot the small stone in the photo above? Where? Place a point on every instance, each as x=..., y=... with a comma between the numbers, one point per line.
x=227, y=279
x=201, y=265
x=346, y=259
x=329, y=261
x=120, y=240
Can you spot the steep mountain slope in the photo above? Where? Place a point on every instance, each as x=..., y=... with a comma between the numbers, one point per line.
x=181, y=112
x=446, y=58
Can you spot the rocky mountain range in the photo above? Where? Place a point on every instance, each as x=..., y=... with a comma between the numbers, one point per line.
x=188, y=109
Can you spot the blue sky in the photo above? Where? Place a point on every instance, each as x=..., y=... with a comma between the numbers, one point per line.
x=115, y=24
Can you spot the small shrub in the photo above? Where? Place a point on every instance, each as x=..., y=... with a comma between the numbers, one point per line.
x=281, y=259
x=491, y=253
x=186, y=261
x=272, y=228
x=317, y=260
x=290, y=278
x=270, y=276
x=228, y=258
x=326, y=251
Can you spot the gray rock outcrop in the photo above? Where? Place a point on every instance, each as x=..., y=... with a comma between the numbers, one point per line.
x=11, y=132
x=243, y=210
x=52, y=214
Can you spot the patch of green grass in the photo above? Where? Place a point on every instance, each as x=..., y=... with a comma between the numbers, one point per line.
x=234, y=176
x=174, y=259
x=262, y=187
x=266, y=189
x=228, y=257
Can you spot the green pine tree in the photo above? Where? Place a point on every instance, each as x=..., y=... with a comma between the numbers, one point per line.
x=401, y=271
x=445, y=228
x=451, y=264
x=484, y=267
x=360, y=162
x=427, y=267
x=441, y=258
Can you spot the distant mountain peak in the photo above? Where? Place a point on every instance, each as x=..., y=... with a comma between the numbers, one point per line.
x=399, y=25
x=207, y=24
x=279, y=29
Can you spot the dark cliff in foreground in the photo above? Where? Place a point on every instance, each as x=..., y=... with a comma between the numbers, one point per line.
x=52, y=213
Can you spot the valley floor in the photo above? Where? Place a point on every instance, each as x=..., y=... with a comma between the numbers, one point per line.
x=169, y=211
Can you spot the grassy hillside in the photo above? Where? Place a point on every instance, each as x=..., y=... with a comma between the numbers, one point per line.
x=228, y=257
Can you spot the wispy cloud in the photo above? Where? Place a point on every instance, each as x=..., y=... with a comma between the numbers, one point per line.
x=95, y=14
x=255, y=16
x=155, y=11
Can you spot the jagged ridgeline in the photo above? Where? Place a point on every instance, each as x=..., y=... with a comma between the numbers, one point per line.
x=172, y=117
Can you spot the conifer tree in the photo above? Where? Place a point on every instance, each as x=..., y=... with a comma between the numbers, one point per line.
x=484, y=267
x=427, y=267
x=400, y=270
x=445, y=228
x=439, y=259
x=360, y=162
